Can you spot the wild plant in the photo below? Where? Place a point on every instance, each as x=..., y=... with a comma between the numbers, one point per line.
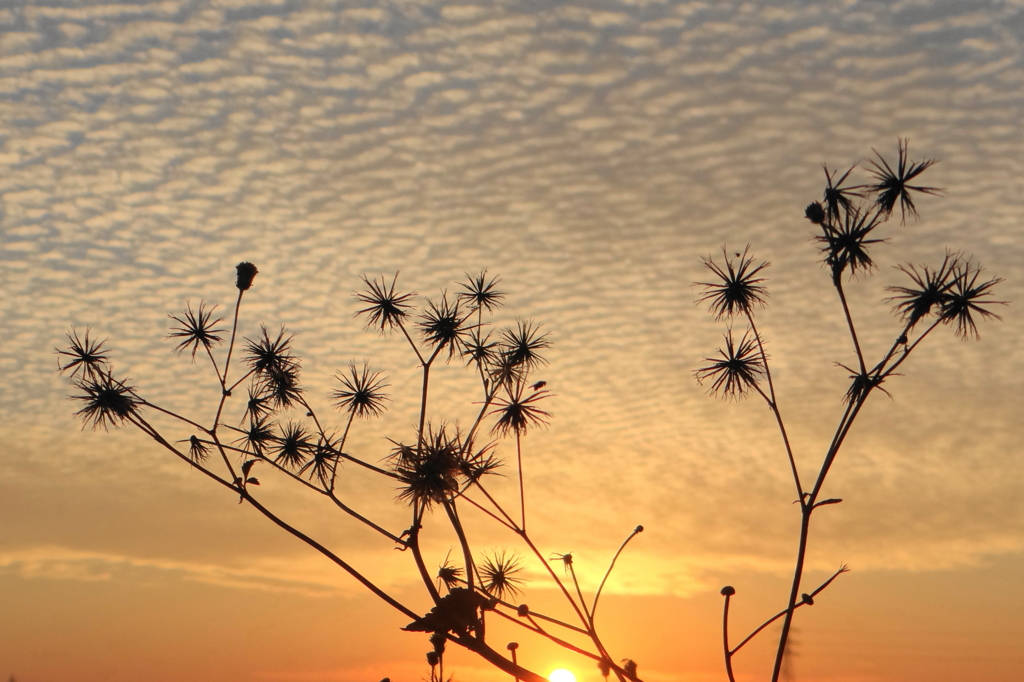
x=848, y=217
x=264, y=422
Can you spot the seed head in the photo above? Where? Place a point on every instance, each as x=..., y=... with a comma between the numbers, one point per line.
x=83, y=354
x=196, y=329
x=737, y=370
x=107, y=401
x=245, y=273
x=739, y=288
x=386, y=308
x=480, y=292
x=362, y=392
x=499, y=575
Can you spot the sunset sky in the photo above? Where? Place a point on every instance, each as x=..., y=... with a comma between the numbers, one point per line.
x=590, y=155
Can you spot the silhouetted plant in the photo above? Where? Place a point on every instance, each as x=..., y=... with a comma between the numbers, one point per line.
x=441, y=473
x=954, y=293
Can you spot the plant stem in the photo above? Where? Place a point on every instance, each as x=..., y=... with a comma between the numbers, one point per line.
x=725, y=640
x=849, y=321
x=522, y=489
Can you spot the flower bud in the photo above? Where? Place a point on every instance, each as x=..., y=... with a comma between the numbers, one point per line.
x=815, y=213
x=512, y=646
x=246, y=272
x=728, y=591
x=523, y=611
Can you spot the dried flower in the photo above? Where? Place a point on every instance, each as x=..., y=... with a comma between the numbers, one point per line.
x=292, y=445
x=259, y=434
x=480, y=292
x=386, y=307
x=740, y=288
x=449, y=574
x=837, y=197
x=737, y=371
x=276, y=369
x=83, y=355
x=361, y=393
x=932, y=287
x=480, y=349
x=429, y=474
x=861, y=384
x=498, y=572
x=441, y=324
x=245, y=273
x=198, y=451
x=108, y=402
x=258, y=404
x=521, y=346
x=963, y=299
x=892, y=185
x=846, y=243
x=323, y=462
x=197, y=329
x=518, y=411
x=475, y=464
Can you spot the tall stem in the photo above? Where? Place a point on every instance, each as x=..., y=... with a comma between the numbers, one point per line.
x=805, y=521
x=522, y=489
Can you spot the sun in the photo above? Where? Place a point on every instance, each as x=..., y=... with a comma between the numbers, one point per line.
x=561, y=675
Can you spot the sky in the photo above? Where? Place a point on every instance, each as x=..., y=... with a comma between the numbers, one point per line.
x=590, y=155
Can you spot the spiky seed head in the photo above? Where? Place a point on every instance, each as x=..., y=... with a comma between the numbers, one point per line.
x=737, y=370
x=386, y=308
x=196, y=328
x=82, y=355
x=107, y=401
x=362, y=392
x=738, y=289
x=499, y=573
x=480, y=292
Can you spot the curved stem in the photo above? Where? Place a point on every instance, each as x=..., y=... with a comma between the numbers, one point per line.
x=725, y=639
x=467, y=556
x=773, y=404
x=597, y=595
x=780, y=614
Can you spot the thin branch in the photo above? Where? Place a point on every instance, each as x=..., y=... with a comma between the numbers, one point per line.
x=780, y=614
x=597, y=595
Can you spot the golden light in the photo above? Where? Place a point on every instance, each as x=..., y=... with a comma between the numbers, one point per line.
x=561, y=675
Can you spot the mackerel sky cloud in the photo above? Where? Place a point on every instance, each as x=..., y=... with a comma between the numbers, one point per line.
x=589, y=155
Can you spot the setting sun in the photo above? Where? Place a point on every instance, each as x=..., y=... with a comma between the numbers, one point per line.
x=561, y=675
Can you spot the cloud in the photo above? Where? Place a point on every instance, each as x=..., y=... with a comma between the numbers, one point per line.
x=590, y=159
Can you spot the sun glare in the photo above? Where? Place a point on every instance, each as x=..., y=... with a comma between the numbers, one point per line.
x=561, y=675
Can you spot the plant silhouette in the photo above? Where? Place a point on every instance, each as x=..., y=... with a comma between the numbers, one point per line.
x=264, y=423
x=954, y=293
x=441, y=472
